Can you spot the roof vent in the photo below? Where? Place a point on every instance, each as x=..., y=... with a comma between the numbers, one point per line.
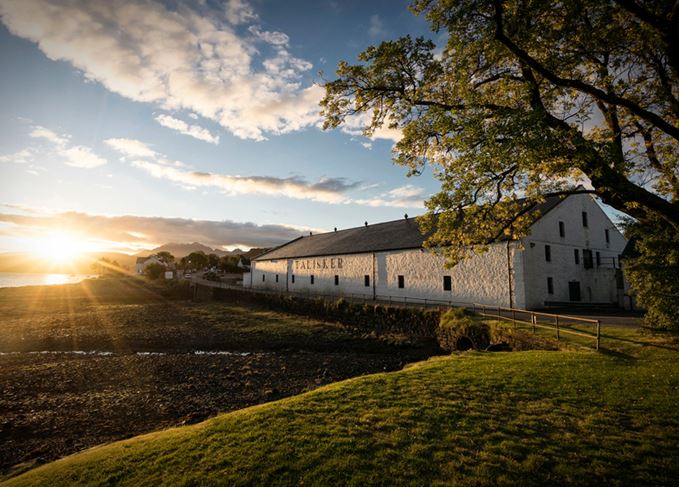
x=406, y=216
x=366, y=224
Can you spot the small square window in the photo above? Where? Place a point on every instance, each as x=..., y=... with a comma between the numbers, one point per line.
x=598, y=259
x=276, y=277
x=608, y=236
x=366, y=281
x=447, y=283
x=562, y=229
x=576, y=254
x=550, y=285
x=548, y=253
x=312, y=278
x=584, y=219
x=292, y=278
x=401, y=282
x=336, y=280
x=263, y=277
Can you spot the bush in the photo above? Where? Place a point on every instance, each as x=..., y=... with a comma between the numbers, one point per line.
x=457, y=330
x=652, y=272
x=154, y=271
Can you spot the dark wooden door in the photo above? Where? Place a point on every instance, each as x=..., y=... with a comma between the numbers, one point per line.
x=574, y=291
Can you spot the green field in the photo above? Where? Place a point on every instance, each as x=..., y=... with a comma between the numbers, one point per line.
x=521, y=418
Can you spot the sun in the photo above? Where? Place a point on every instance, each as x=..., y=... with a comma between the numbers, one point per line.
x=58, y=248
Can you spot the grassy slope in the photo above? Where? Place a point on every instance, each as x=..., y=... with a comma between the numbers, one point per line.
x=576, y=418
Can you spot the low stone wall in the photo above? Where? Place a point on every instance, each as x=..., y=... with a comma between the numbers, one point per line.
x=378, y=318
x=422, y=323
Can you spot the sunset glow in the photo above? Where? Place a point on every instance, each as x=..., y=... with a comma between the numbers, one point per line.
x=59, y=248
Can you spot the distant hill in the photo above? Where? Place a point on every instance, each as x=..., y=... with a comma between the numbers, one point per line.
x=179, y=250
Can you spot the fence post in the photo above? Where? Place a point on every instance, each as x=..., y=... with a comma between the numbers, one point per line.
x=498, y=312
x=513, y=318
x=556, y=319
x=474, y=307
x=532, y=320
x=598, y=334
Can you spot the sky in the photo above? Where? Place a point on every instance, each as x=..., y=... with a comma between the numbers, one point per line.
x=127, y=124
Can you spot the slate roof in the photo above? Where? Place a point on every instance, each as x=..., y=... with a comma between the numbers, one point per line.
x=394, y=235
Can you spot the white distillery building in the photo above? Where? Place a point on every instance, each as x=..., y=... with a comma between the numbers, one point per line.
x=571, y=255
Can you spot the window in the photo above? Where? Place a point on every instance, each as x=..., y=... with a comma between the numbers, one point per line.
x=576, y=254
x=608, y=236
x=366, y=281
x=598, y=259
x=276, y=277
x=587, y=258
x=550, y=285
x=336, y=280
x=584, y=219
x=562, y=230
x=548, y=253
x=312, y=278
x=292, y=277
x=263, y=277
x=447, y=283
x=401, y=282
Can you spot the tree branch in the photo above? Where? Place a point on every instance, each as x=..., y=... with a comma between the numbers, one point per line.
x=597, y=93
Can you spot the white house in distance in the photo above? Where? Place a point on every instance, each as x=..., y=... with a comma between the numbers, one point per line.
x=570, y=256
x=143, y=262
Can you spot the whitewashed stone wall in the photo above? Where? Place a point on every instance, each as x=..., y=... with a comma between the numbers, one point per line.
x=597, y=285
x=270, y=274
x=513, y=274
x=349, y=269
x=480, y=279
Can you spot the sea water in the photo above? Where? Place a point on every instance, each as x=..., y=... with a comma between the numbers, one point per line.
x=16, y=279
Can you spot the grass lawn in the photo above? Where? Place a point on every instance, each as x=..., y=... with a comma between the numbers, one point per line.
x=523, y=418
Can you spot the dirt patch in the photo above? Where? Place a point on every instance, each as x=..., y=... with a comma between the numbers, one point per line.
x=79, y=372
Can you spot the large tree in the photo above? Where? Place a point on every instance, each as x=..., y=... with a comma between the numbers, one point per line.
x=527, y=98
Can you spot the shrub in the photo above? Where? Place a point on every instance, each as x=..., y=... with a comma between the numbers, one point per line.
x=154, y=271
x=457, y=330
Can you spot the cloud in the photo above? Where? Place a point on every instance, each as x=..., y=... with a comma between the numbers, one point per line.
x=132, y=233
x=182, y=127
x=327, y=190
x=376, y=27
x=355, y=125
x=131, y=147
x=39, y=132
x=73, y=155
x=407, y=196
x=20, y=157
x=239, y=11
x=81, y=156
x=179, y=56
x=274, y=38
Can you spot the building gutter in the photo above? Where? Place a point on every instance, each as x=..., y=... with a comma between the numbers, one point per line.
x=373, y=278
x=509, y=275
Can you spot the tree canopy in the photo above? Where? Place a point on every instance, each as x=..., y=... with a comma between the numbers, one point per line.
x=527, y=98
x=165, y=257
